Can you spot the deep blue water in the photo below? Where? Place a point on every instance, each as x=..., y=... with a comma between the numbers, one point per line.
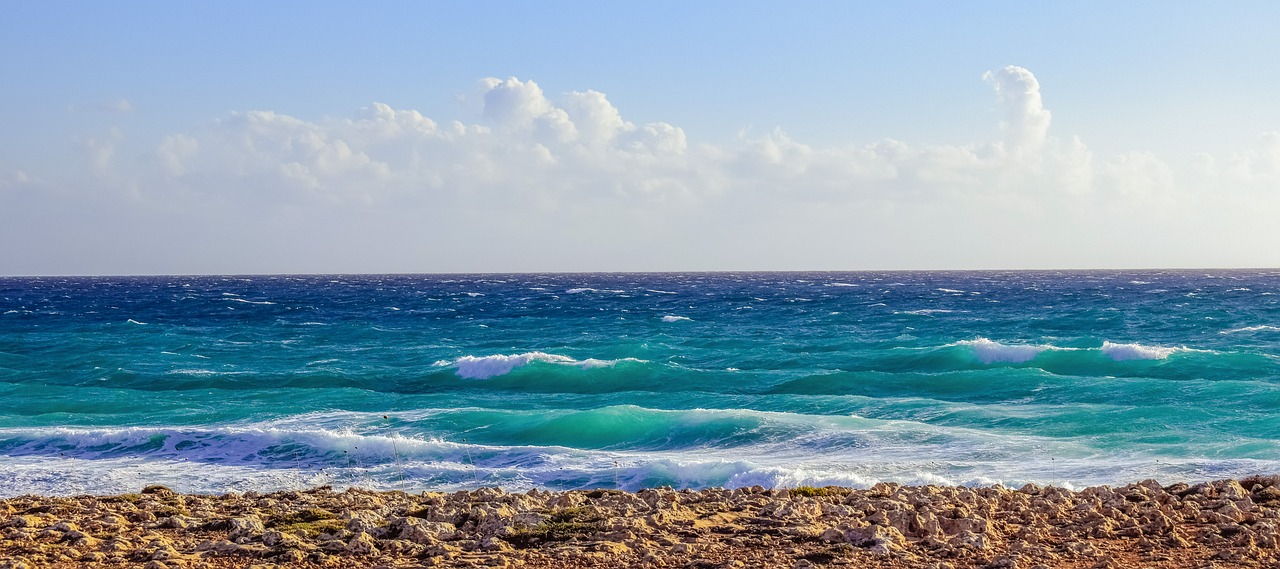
x=563, y=381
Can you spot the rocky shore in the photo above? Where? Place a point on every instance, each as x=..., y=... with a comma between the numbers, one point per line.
x=1219, y=524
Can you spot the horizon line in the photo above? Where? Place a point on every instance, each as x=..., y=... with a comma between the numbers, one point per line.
x=663, y=272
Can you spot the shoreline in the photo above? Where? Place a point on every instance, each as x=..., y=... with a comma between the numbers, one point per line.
x=1227, y=523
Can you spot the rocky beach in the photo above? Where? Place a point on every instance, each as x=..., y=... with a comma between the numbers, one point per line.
x=1226, y=523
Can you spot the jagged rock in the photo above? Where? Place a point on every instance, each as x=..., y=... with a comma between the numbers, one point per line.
x=220, y=547
x=877, y=539
x=421, y=531
x=245, y=528
x=363, y=521
x=64, y=527
x=362, y=544
x=886, y=526
x=178, y=521
x=273, y=538
x=969, y=540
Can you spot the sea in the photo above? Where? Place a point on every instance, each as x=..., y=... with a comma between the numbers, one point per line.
x=214, y=384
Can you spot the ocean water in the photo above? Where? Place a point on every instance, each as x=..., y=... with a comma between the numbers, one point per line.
x=415, y=382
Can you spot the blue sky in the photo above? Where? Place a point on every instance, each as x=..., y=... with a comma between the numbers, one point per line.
x=227, y=137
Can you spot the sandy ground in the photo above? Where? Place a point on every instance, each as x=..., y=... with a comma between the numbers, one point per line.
x=1220, y=524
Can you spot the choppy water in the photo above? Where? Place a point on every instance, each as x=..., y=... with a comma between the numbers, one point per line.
x=563, y=381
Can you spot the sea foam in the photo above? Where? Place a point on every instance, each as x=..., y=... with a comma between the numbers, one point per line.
x=989, y=351
x=1262, y=328
x=1125, y=352
x=485, y=367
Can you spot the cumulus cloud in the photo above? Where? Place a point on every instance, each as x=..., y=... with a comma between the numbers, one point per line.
x=571, y=171
x=526, y=149
x=1026, y=120
x=530, y=149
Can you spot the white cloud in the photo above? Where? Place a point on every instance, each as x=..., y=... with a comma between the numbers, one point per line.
x=596, y=120
x=1138, y=174
x=572, y=178
x=1026, y=120
x=530, y=149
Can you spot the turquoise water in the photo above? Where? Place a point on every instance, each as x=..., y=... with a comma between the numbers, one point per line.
x=213, y=384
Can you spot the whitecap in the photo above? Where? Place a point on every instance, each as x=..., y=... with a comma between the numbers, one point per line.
x=193, y=371
x=989, y=351
x=925, y=311
x=485, y=367
x=1262, y=328
x=1123, y=352
x=670, y=318
x=132, y=321
x=251, y=301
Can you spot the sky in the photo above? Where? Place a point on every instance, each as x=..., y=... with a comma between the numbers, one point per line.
x=428, y=137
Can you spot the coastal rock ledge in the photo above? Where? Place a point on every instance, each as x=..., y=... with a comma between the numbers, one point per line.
x=1227, y=523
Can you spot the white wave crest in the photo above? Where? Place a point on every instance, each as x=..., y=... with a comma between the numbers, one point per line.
x=989, y=351
x=588, y=289
x=670, y=318
x=192, y=371
x=926, y=311
x=1124, y=352
x=132, y=321
x=1262, y=328
x=485, y=367
x=250, y=301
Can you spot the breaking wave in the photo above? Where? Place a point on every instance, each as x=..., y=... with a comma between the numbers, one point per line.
x=485, y=367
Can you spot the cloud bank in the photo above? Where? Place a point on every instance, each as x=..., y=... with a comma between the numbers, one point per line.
x=567, y=183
